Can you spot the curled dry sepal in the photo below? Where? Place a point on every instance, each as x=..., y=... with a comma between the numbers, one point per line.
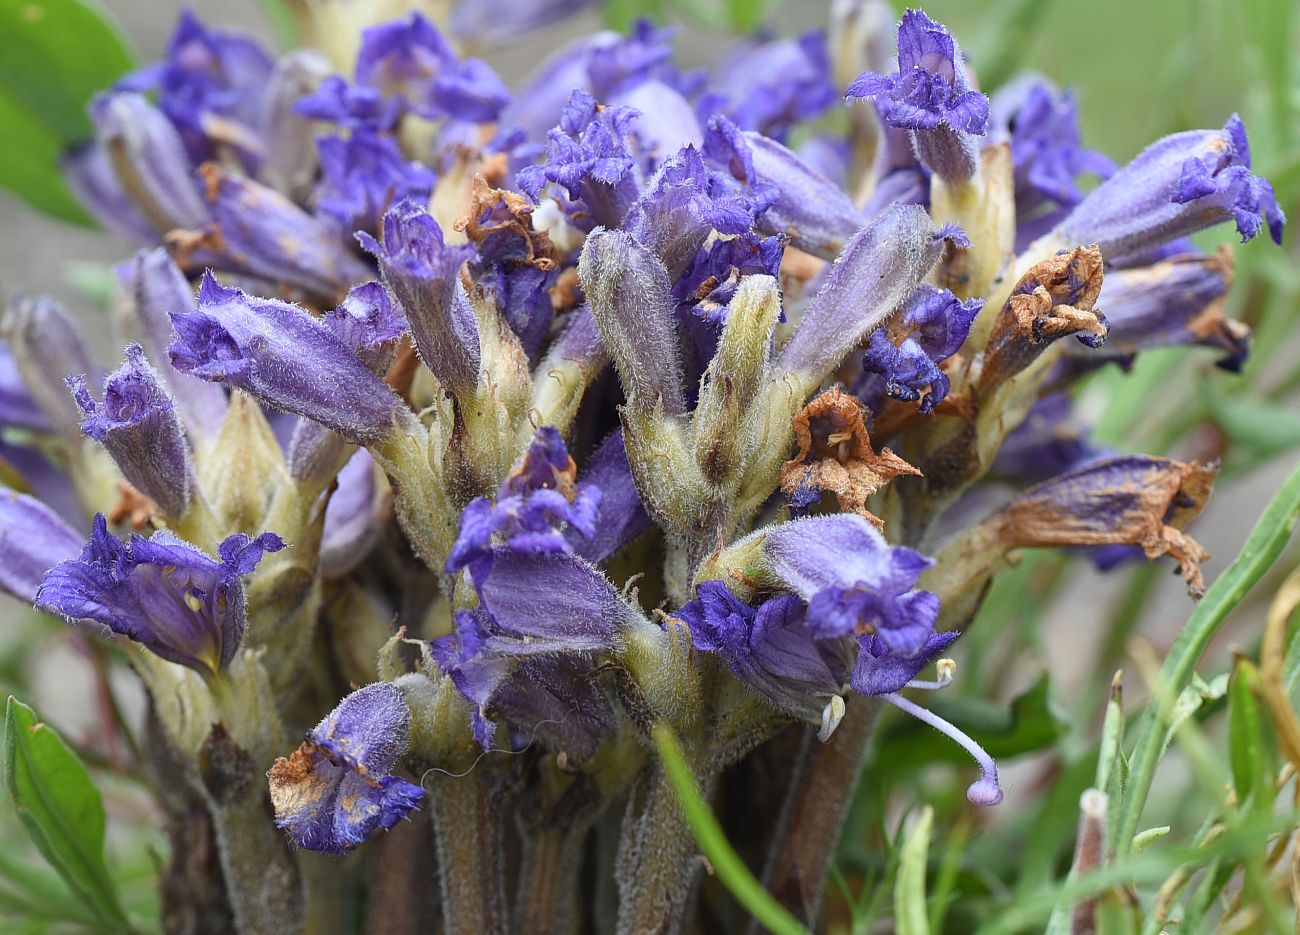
x=614, y=334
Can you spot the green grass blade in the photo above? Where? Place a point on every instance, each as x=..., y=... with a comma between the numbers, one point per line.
x=1265, y=543
x=728, y=866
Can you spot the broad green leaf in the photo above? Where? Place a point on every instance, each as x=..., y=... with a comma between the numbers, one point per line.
x=910, y=917
x=29, y=165
x=54, y=56
x=728, y=866
x=1030, y=724
x=61, y=810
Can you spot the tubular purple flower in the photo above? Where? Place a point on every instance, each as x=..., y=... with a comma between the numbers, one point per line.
x=902, y=358
x=210, y=86
x=350, y=106
x=156, y=289
x=1181, y=184
x=279, y=354
x=369, y=324
x=538, y=509
x=880, y=267
x=137, y=424
x=588, y=156
x=492, y=22
x=683, y=203
x=351, y=526
x=880, y=670
x=33, y=539
x=1174, y=302
x=423, y=271
x=854, y=582
x=290, y=163
x=47, y=347
x=620, y=515
x=930, y=96
x=630, y=295
x=769, y=87
x=258, y=232
x=791, y=198
x=160, y=592
x=90, y=175
x=149, y=160
x=365, y=173
x=17, y=408
x=410, y=59
x=337, y=788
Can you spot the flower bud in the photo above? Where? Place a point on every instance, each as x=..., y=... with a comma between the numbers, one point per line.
x=47, y=347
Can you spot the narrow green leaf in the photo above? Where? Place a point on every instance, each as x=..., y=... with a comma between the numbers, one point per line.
x=61, y=810
x=1012, y=24
x=910, y=917
x=1266, y=541
x=1250, y=751
x=54, y=56
x=728, y=866
x=1267, y=426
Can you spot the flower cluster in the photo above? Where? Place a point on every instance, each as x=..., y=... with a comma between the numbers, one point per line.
x=568, y=407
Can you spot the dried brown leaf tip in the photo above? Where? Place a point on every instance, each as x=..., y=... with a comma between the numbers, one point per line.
x=506, y=217
x=1052, y=301
x=1129, y=500
x=835, y=456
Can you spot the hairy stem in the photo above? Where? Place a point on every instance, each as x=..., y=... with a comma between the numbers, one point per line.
x=658, y=861
x=467, y=822
x=817, y=803
x=548, y=880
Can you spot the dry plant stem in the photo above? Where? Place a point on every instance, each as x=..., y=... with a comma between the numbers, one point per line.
x=548, y=880
x=658, y=862
x=821, y=790
x=262, y=878
x=467, y=822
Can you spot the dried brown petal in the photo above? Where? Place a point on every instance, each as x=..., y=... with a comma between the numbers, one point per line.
x=835, y=454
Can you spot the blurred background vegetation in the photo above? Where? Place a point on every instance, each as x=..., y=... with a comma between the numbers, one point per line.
x=1036, y=670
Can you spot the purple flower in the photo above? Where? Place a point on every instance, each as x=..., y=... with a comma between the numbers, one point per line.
x=790, y=197
x=337, y=787
x=47, y=347
x=1050, y=441
x=539, y=500
x=149, y=159
x=709, y=284
x=256, y=231
x=1178, y=185
x=350, y=105
x=351, y=526
x=630, y=295
x=160, y=592
x=291, y=164
x=771, y=86
x=138, y=426
x=587, y=155
x=282, y=356
x=90, y=176
x=536, y=607
x=491, y=22
x=1174, y=302
x=880, y=670
x=423, y=271
x=17, y=408
x=363, y=175
x=930, y=96
x=369, y=324
x=854, y=582
x=1042, y=127
x=33, y=539
x=156, y=288
x=411, y=60
x=683, y=203
x=902, y=358
x=880, y=267
x=620, y=515
x=769, y=648
x=210, y=86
